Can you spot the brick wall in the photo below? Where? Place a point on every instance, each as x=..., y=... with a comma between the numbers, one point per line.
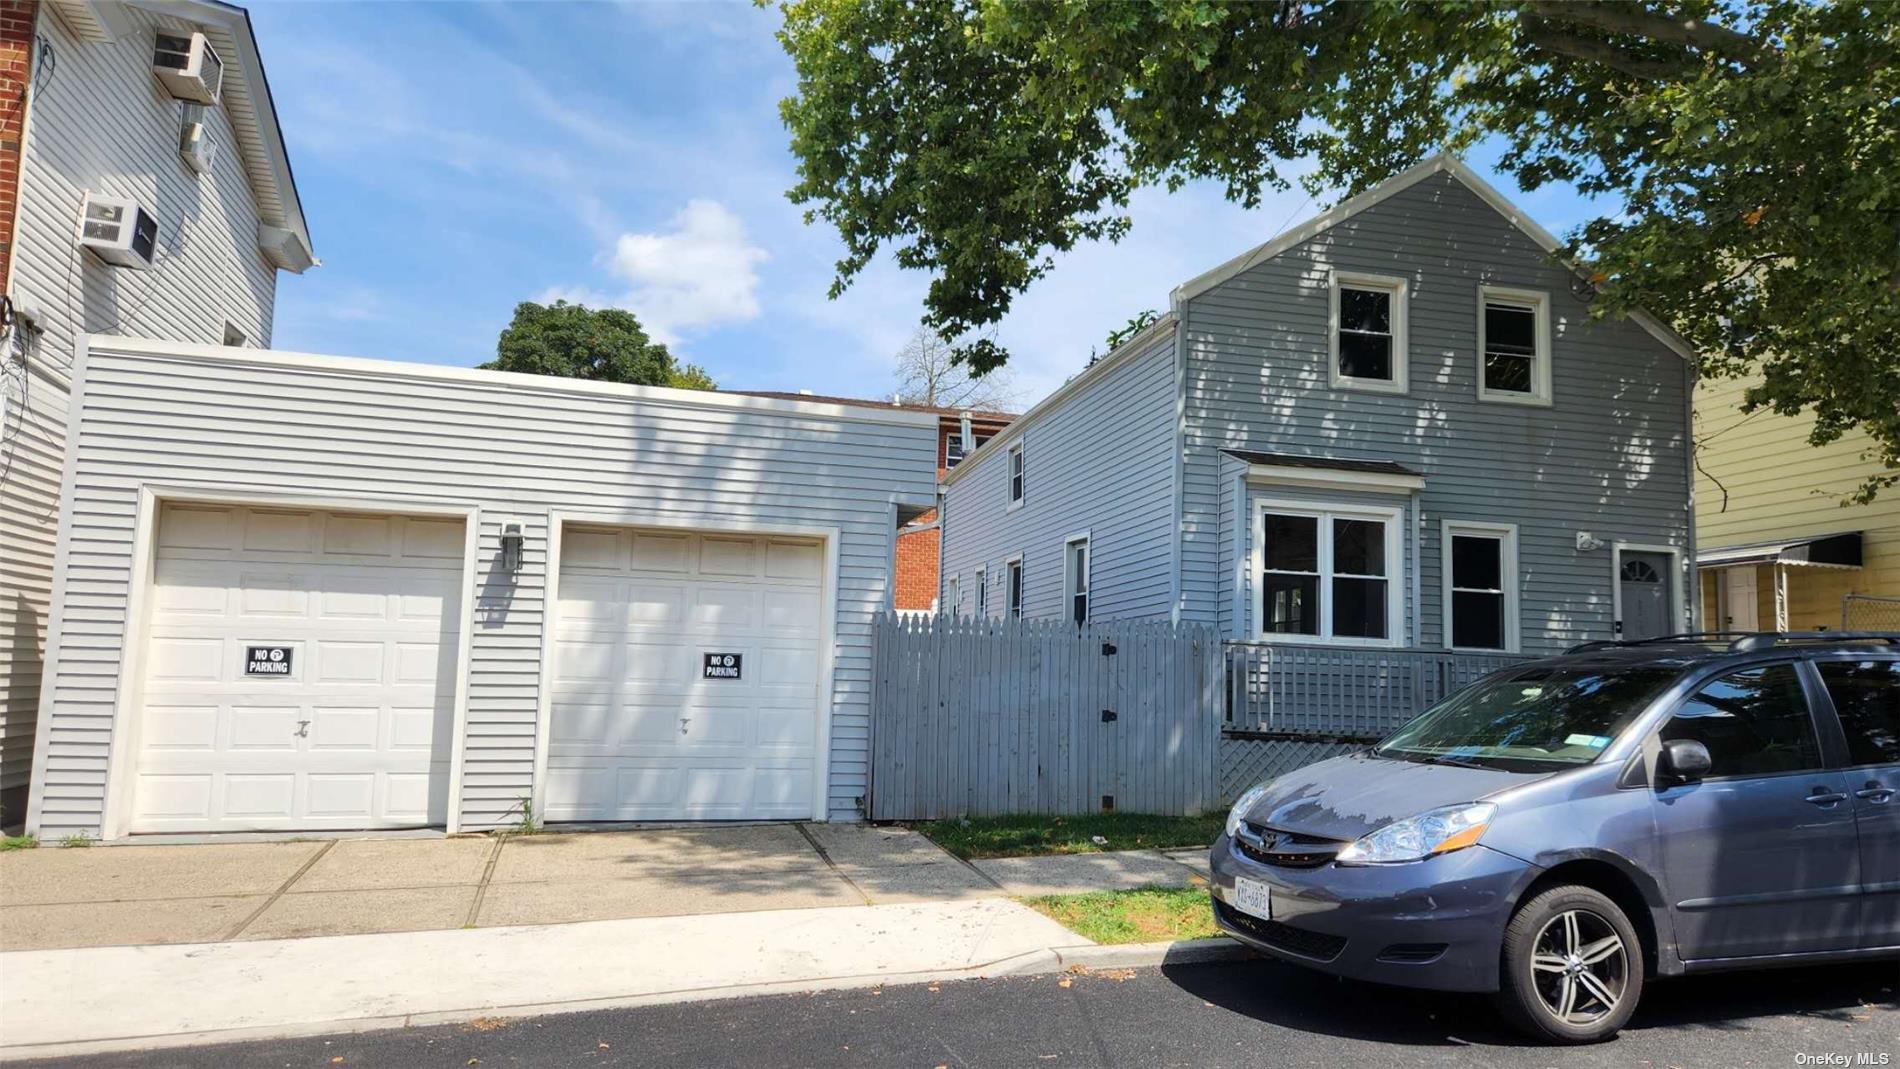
x=16, y=64
x=917, y=569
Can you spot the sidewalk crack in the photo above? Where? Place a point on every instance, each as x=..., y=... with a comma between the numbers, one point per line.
x=481, y=888
x=830, y=864
x=279, y=893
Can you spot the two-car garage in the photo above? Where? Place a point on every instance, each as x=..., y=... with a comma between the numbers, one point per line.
x=315, y=594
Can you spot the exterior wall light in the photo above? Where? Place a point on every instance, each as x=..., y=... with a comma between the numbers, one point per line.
x=511, y=546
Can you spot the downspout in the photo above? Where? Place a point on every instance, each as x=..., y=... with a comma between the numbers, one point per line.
x=1177, y=583
x=1415, y=629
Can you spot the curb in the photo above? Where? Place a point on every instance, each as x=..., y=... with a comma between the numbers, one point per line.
x=1046, y=961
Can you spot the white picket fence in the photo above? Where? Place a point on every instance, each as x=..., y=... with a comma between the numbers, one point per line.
x=983, y=717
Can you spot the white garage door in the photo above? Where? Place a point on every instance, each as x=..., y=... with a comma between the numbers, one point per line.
x=685, y=677
x=299, y=671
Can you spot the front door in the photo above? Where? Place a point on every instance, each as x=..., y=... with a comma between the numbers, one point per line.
x=1644, y=580
x=1740, y=601
x=1762, y=856
x=1865, y=692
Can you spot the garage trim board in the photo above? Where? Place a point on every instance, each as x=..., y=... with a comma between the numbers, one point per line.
x=828, y=539
x=127, y=732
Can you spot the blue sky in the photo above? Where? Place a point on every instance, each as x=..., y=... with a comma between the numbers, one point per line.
x=454, y=159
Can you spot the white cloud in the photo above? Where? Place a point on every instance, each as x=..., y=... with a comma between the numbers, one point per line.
x=700, y=272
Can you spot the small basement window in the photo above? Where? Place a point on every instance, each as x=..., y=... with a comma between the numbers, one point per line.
x=1369, y=333
x=1513, y=346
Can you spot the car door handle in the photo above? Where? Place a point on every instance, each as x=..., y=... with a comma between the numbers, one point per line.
x=1824, y=798
x=1875, y=792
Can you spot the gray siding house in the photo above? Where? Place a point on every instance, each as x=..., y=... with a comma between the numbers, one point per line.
x=1395, y=427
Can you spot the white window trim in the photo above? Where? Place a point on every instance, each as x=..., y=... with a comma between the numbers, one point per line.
x=1068, y=576
x=1009, y=476
x=980, y=599
x=1678, y=597
x=1507, y=576
x=1019, y=611
x=1539, y=300
x=952, y=602
x=1395, y=577
x=1400, y=290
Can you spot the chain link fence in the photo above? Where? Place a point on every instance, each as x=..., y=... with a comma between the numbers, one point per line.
x=1869, y=612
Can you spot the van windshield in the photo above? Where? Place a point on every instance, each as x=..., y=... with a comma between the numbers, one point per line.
x=1547, y=718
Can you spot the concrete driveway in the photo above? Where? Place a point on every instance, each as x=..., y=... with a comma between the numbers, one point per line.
x=126, y=895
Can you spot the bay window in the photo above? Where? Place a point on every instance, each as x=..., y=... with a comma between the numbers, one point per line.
x=1330, y=574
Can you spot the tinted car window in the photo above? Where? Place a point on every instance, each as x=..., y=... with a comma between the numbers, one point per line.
x=1867, y=695
x=1754, y=722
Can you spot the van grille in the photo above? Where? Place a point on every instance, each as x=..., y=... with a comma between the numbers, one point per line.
x=1315, y=945
x=1286, y=849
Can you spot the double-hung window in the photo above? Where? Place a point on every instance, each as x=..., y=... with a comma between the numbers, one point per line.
x=1013, y=584
x=1480, y=586
x=1369, y=333
x=1513, y=346
x=1016, y=472
x=1328, y=574
x=982, y=593
x=1075, y=583
x=953, y=453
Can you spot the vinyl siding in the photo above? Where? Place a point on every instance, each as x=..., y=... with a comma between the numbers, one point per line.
x=1760, y=480
x=512, y=446
x=1100, y=462
x=1608, y=456
x=98, y=120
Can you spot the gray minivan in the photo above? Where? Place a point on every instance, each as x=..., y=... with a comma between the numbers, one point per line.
x=1561, y=830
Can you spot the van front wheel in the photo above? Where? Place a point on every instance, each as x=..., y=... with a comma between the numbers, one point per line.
x=1572, y=968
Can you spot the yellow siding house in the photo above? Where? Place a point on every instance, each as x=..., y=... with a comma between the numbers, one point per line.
x=1776, y=548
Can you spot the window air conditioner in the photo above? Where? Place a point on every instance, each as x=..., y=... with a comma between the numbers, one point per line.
x=118, y=231
x=188, y=66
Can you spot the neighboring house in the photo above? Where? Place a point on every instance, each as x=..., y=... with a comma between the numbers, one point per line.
x=1776, y=547
x=915, y=589
x=1393, y=427
x=190, y=212
x=303, y=593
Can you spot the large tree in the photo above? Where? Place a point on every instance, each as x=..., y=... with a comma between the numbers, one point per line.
x=1745, y=154
x=928, y=373
x=577, y=342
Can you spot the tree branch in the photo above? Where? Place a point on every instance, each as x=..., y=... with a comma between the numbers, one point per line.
x=1618, y=18
x=1547, y=37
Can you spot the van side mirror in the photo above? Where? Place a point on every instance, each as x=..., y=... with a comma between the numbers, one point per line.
x=1685, y=760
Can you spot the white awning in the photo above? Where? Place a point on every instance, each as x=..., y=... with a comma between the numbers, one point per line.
x=1817, y=551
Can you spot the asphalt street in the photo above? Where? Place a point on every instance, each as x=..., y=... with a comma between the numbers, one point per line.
x=1248, y=1014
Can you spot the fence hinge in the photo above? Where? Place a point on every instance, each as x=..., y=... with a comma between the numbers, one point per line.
x=1108, y=649
x=1108, y=715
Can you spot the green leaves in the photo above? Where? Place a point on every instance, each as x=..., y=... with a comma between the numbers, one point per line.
x=576, y=342
x=1747, y=152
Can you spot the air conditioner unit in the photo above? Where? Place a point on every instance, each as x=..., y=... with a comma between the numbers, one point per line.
x=118, y=231
x=195, y=146
x=188, y=66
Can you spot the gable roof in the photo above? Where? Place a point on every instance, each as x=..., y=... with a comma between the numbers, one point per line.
x=1444, y=163
x=283, y=236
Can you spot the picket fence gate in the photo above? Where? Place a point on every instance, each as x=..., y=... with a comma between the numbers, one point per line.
x=985, y=717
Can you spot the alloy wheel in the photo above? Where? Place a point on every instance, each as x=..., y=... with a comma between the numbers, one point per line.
x=1580, y=967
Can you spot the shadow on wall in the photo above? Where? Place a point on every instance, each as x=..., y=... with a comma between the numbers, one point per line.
x=20, y=700
x=497, y=593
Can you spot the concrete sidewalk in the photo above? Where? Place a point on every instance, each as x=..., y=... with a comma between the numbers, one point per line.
x=123, y=998
x=220, y=892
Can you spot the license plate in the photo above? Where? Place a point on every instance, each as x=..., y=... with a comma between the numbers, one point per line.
x=1253, y=897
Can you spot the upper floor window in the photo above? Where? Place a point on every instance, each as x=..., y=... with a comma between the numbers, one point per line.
x=1014, y=588
x=1480, y=586
x=1369, y=340
x=1076, y=579
x=1513, y=346
x=1016, y=475
x=1328, y=574
x=953, y=453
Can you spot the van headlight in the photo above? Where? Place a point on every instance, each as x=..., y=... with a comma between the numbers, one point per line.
x=1438, y=831
x=1246, y=802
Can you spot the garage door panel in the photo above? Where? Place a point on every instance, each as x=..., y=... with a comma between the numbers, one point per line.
x=583, y=548
x=358, y=734
x=641, y=734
